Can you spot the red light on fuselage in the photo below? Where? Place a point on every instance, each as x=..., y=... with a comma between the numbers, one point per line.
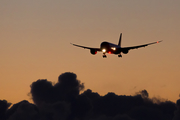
x=157, y=41
x=109, y=52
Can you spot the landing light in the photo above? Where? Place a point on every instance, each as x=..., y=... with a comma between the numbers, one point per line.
x=113, y=48
x=103, y=50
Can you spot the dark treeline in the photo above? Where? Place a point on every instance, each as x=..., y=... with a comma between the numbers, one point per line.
x=63, y=101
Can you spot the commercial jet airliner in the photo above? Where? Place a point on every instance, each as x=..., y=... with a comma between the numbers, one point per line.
x=107, y=47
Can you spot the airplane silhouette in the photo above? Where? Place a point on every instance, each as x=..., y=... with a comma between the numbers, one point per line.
x=107, y=47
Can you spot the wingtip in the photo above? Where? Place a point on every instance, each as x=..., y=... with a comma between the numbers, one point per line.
x=159, y=41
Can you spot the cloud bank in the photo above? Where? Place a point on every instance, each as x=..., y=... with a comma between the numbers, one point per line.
x=63, y=101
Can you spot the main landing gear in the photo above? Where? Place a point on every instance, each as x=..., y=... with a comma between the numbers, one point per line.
x=119, y=55
x=104, y=55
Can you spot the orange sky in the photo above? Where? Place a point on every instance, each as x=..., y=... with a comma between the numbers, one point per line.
x=35, y=39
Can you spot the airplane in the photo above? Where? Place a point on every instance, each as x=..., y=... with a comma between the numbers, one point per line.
x=107, y=47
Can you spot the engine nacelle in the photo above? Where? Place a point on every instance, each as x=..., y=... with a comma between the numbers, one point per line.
x=117, y=51
x=93, y=51
x=125, y=51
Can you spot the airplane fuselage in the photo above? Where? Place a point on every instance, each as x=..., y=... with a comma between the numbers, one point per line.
x=107, y=47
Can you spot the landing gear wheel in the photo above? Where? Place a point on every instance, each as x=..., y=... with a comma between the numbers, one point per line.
x=104, y=56
x=119, y=55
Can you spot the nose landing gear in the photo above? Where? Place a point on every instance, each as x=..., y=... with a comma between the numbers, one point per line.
x=119, y=55
x=104, y=55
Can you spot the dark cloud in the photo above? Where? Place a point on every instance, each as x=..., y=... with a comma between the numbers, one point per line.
x=112, y=104
x=145, y=113
x=177, y=112
x=4, y=105
x=66, y=89
x=55, y=111
x=23, y=111
x=122, y=117
x=81, y=106
x=143, y=93
x=42, y=91
x=63, y=101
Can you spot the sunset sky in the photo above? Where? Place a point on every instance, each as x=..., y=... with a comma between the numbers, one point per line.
x=35, y=37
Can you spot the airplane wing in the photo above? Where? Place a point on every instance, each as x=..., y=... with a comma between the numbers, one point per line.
x=97, y=49
x=139, y=46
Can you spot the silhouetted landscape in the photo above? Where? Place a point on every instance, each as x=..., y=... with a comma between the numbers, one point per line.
x=66, y=100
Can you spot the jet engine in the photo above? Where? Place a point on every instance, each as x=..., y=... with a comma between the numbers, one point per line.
x=125, y=51
x=117, y=51
x=93, y=51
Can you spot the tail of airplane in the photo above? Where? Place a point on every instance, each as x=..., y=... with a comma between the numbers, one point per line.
x=120, y=40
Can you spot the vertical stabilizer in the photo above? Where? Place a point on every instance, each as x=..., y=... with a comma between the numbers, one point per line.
x=120, y=40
